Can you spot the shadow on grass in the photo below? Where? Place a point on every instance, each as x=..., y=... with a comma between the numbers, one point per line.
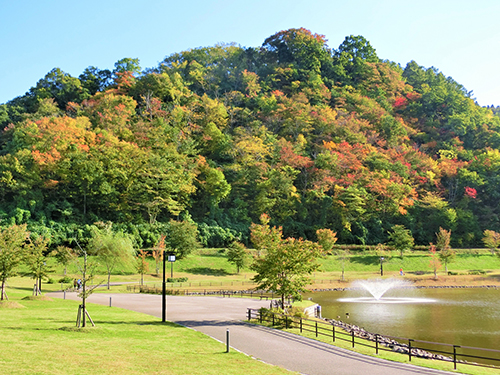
x=207, y=271
x=367, y=260
x=493, y=277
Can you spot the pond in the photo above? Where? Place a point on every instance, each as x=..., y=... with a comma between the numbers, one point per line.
x=468, y=316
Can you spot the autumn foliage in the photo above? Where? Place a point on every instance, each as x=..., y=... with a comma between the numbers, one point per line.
x=331, y=144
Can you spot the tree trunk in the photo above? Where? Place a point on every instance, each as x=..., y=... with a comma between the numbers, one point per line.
x=3, y=291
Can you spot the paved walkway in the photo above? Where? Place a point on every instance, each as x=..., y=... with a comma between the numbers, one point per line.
x=215, y=315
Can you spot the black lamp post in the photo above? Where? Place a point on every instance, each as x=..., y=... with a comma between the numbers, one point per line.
x=381, y=266
x=171, y=259
x=163, y=292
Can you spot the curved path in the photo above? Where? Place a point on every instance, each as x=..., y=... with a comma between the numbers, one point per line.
x=215, y=315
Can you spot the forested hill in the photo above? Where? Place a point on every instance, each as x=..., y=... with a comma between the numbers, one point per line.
x=315, y=137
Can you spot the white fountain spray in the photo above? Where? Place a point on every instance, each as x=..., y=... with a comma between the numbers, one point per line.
x=378, y=287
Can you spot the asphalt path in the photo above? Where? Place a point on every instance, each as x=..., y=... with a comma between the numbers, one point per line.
x=214, y=316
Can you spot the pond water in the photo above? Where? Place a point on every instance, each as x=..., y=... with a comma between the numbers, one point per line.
x=469, y=317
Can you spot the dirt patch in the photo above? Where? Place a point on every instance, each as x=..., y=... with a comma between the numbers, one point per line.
x=37, y=298
x=10, y=305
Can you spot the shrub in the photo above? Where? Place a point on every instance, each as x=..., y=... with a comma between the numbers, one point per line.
x=177, y=279
x=477, y=272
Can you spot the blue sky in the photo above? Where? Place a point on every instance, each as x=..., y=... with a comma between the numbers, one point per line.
x=459, y=37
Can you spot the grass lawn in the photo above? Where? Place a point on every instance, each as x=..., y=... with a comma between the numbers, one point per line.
x=209, y=269
x=39, y=337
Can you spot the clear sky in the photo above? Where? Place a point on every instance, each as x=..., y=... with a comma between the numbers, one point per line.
x=459, y=37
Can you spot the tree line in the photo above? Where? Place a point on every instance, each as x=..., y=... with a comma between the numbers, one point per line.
x=313, y=136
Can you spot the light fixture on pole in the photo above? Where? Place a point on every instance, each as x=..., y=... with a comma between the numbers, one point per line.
x=171, y=259
x=381, y=266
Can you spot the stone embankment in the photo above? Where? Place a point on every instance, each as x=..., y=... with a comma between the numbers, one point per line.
x=391, y=343
x=386, y=341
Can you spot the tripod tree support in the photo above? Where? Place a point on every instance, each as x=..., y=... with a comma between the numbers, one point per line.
x=80, y=319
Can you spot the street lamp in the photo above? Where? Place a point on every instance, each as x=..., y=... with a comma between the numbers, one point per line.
x=381, y=266
x=163, y=292
x=171, y=259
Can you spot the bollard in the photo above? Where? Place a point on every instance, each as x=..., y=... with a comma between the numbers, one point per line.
x=109, y=301
x=227, y=341
x=64, y=295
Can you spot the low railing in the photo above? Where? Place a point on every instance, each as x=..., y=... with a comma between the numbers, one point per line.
x=205, y=292
x=357, y=336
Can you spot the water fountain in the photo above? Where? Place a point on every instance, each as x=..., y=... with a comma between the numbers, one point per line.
x=459, y=316
x=377, y=288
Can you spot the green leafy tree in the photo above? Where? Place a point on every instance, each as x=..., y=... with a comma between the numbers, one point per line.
x=446, y=253
x=237, y=255
x=112, y=249
x=12, y=240
x=326, y=239
x=58, y=85
x=36, y=261
x=283, y=266
x=127, y=64
x=182, y=237
x=94, y=79
x=401, y=239
x=491, y=240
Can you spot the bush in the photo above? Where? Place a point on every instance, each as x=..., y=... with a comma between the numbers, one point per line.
x=66, y=280
x=477, y=272
x=288, y=319
x=217, y=236
x=177, y=279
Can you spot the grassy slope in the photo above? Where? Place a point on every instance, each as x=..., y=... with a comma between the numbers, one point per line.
x=40, y=338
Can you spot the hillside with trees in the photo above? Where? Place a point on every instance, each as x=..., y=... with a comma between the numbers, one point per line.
x=313, y=136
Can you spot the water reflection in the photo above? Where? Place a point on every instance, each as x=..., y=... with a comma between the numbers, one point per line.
x=468, y=317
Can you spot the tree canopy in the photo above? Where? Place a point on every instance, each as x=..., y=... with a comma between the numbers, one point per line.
x=316, y=137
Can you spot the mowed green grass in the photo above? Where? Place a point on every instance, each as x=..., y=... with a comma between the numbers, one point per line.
x=40, y=337
x=209, y=264
x=209, y=269
x=410, y=262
